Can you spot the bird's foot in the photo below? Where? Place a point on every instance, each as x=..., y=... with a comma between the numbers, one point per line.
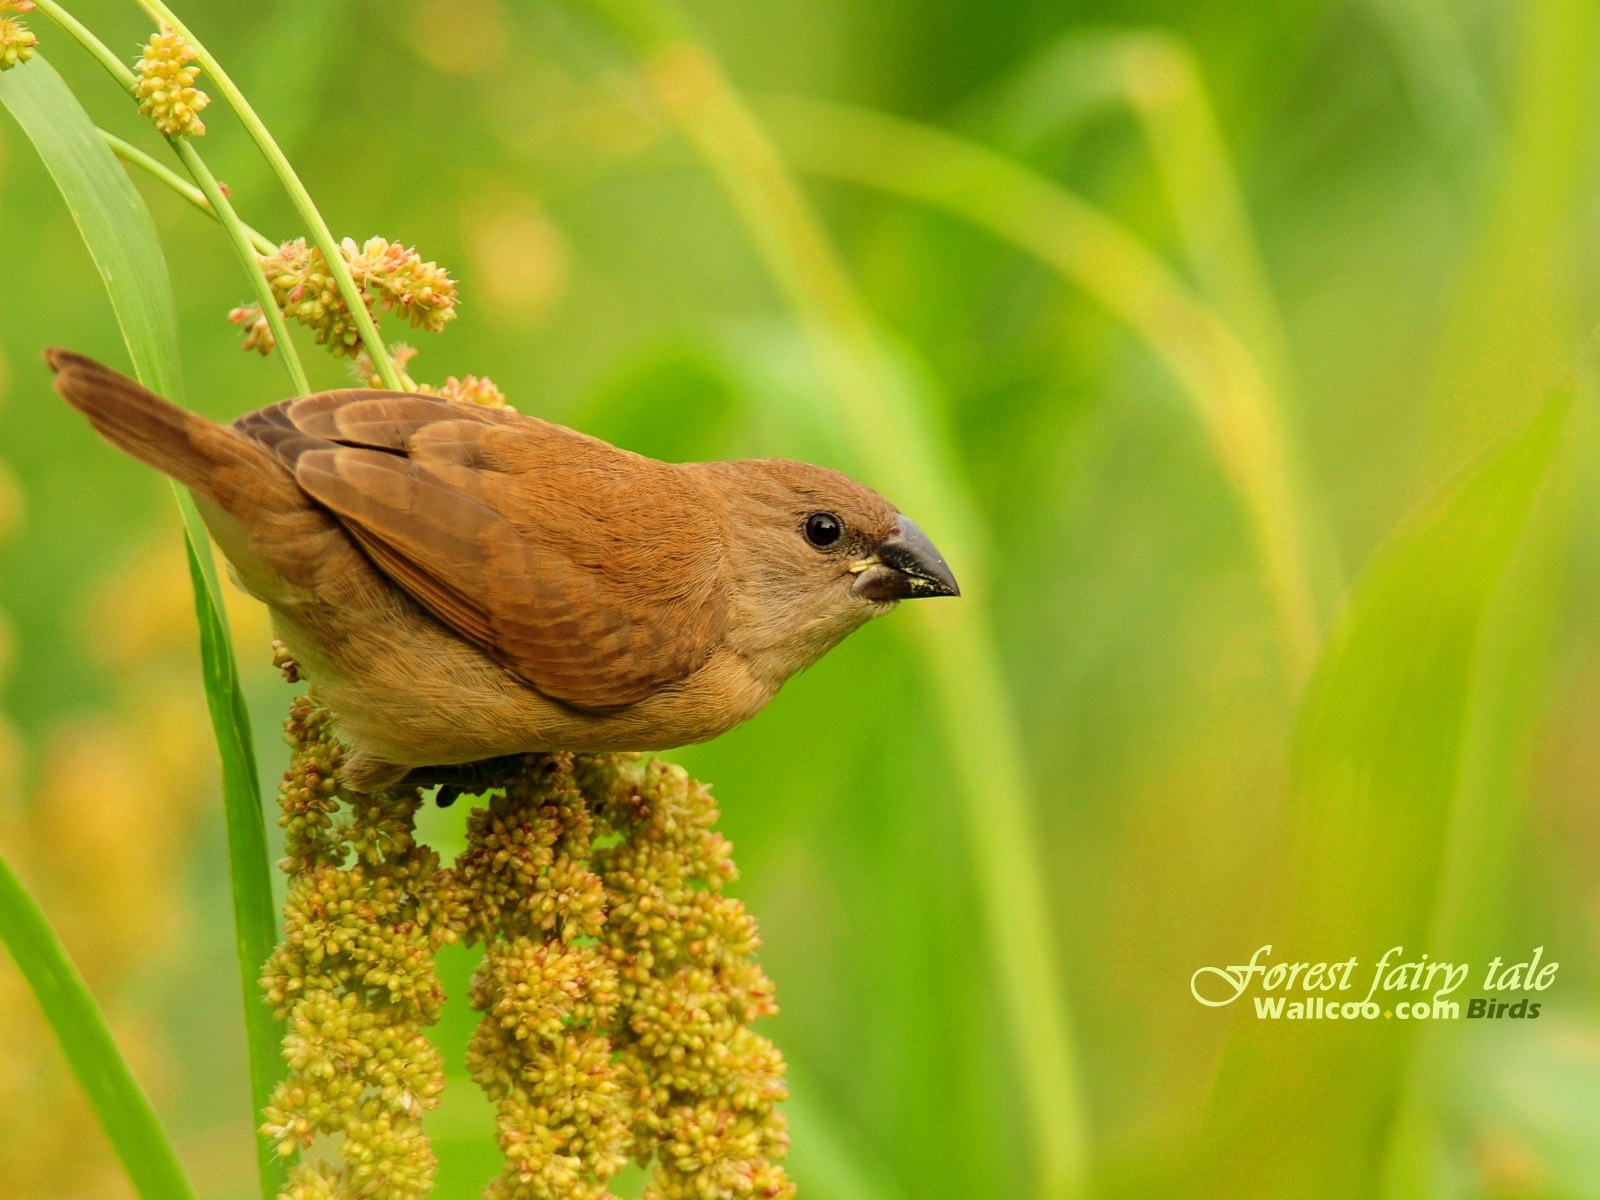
x=455, y=780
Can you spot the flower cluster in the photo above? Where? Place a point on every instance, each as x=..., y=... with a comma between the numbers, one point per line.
x=258, y=335
x=165, y=85
x=470, y=389
x=16, y=39
x=618, y=987
x=389, y=276
x=306, y=292
x=354, y=977
x=548, y=994
x=396, y=277
x=706, y=1085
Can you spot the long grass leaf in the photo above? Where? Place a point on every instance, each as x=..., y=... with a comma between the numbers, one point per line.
x=1231, y=396
x=121, y=238
x=124, y=1110
x=1156, y=76
x=339, y=270
x=1380, y=748
x=904, y=450
x=109, y=213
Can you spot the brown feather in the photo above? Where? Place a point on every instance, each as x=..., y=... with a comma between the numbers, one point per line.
x=473, y=514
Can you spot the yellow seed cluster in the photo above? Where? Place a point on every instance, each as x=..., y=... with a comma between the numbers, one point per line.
x=306, y=292
x=258, y=335
x=387, y=275
x=470, y=389
x=354, y=977
x=617, y=987
x=400, y=282
x=547, y=991
x=16, y=41
x=165, y=86
x=706, y=1085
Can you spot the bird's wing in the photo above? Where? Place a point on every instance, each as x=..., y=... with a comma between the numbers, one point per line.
x=589, y=572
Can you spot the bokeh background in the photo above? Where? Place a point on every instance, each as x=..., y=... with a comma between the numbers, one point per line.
x=1206, y=334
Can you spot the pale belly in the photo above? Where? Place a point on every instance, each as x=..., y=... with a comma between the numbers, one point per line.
x=406, y=691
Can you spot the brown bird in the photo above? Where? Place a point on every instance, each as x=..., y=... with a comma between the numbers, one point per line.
x=461, y=583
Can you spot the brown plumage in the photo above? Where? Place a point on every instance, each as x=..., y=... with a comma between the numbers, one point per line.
x=461, y=583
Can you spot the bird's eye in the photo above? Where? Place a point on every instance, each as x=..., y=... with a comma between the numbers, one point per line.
x=823, y=529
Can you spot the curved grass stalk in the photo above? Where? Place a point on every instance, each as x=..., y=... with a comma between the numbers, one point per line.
x=245, y=241
x=133, y=156
x=120, y=236
x=1155, y=76
x=120, y=1103
x=1094, y=253
x=239, y=235
x=290, y=180
x=900, y=449
x=1162, y=83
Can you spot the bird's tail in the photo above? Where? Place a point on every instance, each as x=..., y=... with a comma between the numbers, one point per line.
x=210, y=459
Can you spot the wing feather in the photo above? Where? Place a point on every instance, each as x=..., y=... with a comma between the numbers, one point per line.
x=589, y=572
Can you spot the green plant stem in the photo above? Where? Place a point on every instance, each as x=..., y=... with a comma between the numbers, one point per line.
x=1162, y=85
x=210, y=197
x=898, y=445
x=124, y=1110
x=1094, y=253
x=255, y=918
x=133, y=156
x=238, y=234
x=255, y=914
x=366, y=327
x=119, y=70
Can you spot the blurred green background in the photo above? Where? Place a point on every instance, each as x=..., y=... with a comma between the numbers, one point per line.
x=1217, y=343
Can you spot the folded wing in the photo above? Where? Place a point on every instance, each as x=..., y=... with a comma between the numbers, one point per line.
x=590, y=573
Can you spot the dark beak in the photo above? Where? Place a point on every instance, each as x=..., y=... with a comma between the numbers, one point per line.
x=905, y=566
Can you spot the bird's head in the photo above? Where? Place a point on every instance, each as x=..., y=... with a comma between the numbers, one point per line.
x=813, y=555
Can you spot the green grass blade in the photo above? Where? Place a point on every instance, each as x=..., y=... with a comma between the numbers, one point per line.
x=120, y=1103
x=365, y=323
x=1381, y=747
x=825, y=1156
x=109, y=213
x=117, y=229
x=906, y=453
x=1156, y=76
x=1234, y=403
